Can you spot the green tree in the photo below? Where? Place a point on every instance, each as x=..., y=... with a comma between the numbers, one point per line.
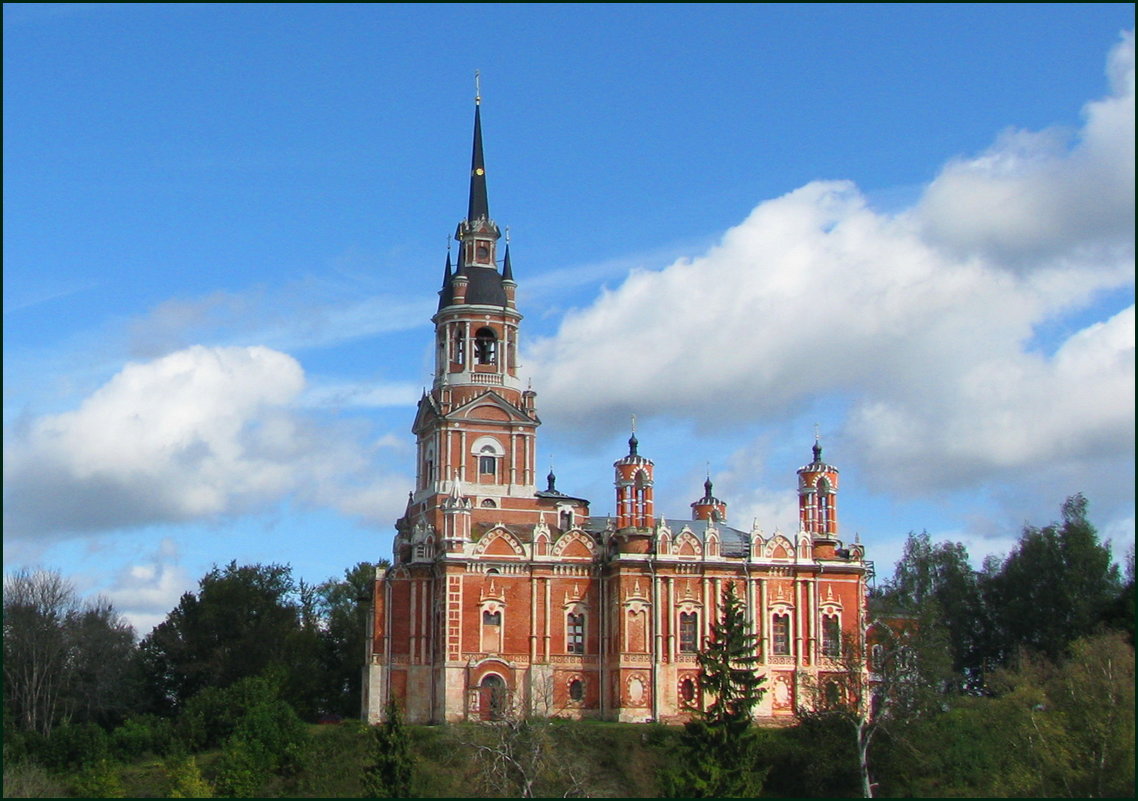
x=343, y=606
x=1055, y=587
x=936, y=581
x=720, y=750
x=243, y=621
x=389, y=773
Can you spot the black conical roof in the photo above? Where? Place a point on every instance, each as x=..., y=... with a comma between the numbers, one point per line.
x=479, y=207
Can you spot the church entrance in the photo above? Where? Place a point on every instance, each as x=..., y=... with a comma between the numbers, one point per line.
x=492, y=703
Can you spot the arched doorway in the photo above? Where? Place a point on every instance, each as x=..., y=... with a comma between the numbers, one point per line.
x=492, y=704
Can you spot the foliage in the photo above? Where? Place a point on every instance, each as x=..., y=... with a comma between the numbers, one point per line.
x=937, y=582
x=24, y=779
x=719, y=751
x=343, y=607
x=1054, y=587
x=214, y=714
x=63, y=660
x=242, y=622
x=142, y=735
x=185, y=778
x=389, y=773
x=244, y=768
x=816, y=758
x=1062, y=728
x=99, y=780
x=78, y=745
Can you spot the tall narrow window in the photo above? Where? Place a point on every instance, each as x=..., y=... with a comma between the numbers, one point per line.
x=781, y=644
x=575, y=634
x=689, y=632
x=485, y=346
x=491, y=631
x=824, y=510
x=831, y=636
x=458, y=347
x=487, y=461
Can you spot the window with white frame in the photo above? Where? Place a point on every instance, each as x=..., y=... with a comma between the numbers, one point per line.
x=831, y=636
x=689, y=632
x=575, y=633
x=780, y=631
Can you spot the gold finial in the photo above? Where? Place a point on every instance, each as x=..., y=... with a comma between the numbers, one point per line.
x=817, y=436
x=507, y=234
x=477, y=88
x=633, y=424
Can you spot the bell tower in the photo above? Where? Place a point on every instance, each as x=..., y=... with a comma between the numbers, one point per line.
x=818, y=497
x=476, y=426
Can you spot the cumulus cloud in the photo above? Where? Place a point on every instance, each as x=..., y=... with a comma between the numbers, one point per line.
x=923, y=321
x=1031, y=198
x=198, y=434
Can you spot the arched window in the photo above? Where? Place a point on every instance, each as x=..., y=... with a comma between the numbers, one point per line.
x=689, y=632
x=492, y=631
x=458, y=347
x=781, y=627
x=566, y=519
x=487, y=461
x=575, y=633
x=831, y=636
x=488, y=503
x=576, y=690
x=485, y=346
x=825, y=504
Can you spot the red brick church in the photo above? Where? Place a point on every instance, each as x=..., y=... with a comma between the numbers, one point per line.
x=504, y=595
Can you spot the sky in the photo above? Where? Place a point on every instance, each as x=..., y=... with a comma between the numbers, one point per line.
x=909, y=229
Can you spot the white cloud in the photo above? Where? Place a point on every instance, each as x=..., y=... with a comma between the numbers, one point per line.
x=198, y=434
x=921, y=321
x=1030, y=199
x=145, y=592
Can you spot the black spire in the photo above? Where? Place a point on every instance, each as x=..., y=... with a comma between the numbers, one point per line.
x=707, y=488
x=817, y=452
x=552, y=479
x=632, y=443
x=507, y=270
x=479, y=207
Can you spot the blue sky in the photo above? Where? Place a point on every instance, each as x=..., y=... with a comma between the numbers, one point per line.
x=224, y=227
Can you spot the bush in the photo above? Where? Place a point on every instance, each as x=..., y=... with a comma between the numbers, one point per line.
x=99, y=780
x=184, y=779
x=73, y=747
x=143, y=735
x=244, y=768
x=28, y=780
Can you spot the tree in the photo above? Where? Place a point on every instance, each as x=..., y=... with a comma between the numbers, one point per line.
x=39, y=607
x=389, y=774
x=63, y=659
x=936, y=581
x=242, y=622
x=719, y=749
x=1055, y=587
x=343, y=607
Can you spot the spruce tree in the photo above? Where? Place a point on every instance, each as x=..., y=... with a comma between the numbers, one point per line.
x=389, y=774
x=719, y=749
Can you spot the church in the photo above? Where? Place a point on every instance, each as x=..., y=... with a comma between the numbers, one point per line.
x=505, y=596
